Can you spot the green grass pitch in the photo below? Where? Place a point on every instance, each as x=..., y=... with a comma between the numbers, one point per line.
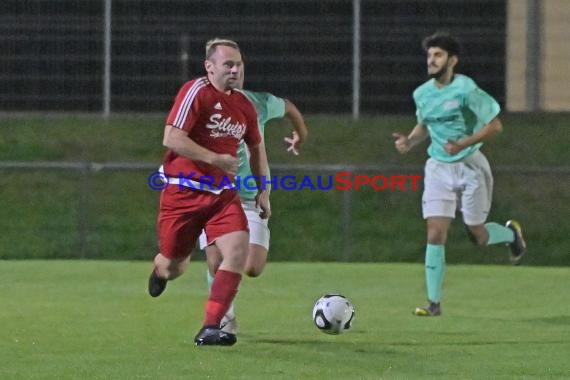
x=94, y=320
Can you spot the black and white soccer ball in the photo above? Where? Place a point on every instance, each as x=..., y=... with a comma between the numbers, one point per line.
x=333, y=314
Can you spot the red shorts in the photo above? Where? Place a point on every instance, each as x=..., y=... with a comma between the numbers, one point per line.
x=185, y=212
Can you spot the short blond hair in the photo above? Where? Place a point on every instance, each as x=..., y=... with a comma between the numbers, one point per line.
x=214, y=43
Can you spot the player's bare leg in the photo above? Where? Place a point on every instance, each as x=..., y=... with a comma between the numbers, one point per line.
x=165, y=269
x=437, y=228
x=233, y=247
x=213, y=258
x=256, y=260
x=479, y=234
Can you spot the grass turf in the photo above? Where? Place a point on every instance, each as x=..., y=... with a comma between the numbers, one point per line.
x=532, y=139
x=94, y=320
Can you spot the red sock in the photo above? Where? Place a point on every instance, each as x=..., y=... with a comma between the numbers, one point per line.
x=224, y=289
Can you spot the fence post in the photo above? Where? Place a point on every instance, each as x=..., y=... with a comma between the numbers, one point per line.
x=107, y=58
x=83, y=213
x=533, y=56
x=356, y=60
x=184, y=57
x=347, y=224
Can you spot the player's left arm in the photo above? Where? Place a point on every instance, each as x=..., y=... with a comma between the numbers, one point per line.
x=486, y=108
x=300, y=131
x=259, y=169
x=492, y=128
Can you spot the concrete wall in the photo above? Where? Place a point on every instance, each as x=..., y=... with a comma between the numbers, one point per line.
x=555, y=71
x=554, y=54
x=516, y=55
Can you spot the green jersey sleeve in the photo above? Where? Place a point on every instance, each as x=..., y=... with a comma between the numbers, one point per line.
x=268, y=107
x=483, y=105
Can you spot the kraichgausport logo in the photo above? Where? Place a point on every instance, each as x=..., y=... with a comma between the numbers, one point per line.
x=340, y=181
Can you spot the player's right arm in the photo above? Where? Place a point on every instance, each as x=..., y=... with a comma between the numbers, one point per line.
x=178, y=141
x=405, y=143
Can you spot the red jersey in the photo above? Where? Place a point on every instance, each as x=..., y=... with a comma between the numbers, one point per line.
x=213, y=119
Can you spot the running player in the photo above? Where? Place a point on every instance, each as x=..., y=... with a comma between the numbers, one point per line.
x=203, y=132
x=458, y=117
x=268, y=107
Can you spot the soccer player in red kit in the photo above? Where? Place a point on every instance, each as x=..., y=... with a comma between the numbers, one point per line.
x=202, y=134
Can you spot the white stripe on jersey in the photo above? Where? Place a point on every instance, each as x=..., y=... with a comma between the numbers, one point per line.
x=187, y=102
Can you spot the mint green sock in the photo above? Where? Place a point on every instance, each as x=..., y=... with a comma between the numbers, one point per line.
x=499, y=234
x=210, y=279
x=435, y=271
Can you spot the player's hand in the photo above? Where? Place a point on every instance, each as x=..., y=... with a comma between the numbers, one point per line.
x=453, y=147
x=262, y=202
x=402, y=143
x=293, y=143
x=227, y=163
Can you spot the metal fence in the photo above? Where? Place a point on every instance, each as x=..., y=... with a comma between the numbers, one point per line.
x=335, y=56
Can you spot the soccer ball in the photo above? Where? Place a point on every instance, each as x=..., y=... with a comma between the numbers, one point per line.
x=333, y=314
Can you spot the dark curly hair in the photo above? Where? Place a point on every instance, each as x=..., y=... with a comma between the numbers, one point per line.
x=443, y=41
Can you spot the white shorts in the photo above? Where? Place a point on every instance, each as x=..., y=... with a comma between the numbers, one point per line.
x=258, y=228
x=466, y=185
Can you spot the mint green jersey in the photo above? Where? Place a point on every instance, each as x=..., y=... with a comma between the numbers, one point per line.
x=452, y=112
x=268, y=107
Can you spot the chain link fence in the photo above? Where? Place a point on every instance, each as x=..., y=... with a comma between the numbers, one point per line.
x=132, y=56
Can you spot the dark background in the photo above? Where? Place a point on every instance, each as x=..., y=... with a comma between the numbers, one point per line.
x=52, y=51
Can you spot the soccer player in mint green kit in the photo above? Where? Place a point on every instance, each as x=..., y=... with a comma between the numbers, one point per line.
x=268, y=107
x=458, y=117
